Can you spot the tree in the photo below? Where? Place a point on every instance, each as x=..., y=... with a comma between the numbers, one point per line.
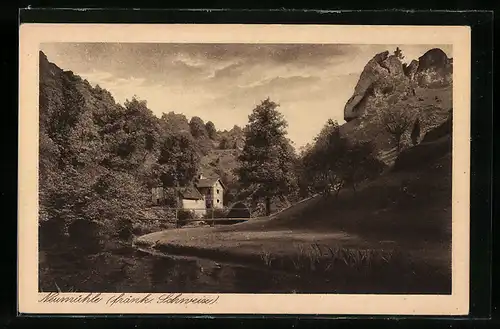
x=396, y=121
x=131, y=133
x=175, y=122
x=211, y=131
x=224, y=143
x=178, y=161
x=333, y=162
x=322, y=162
x=197, y=127
x=266, y=161
x=359, y=164
x=85, y=192
x=60, y=112
x=398, y=53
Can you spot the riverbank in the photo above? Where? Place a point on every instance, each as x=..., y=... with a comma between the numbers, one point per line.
x=354, y=264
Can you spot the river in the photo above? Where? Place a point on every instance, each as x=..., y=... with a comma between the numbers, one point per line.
x=132, y=270
x=115, y=266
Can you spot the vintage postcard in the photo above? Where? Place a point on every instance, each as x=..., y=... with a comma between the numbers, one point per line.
x=244, y=169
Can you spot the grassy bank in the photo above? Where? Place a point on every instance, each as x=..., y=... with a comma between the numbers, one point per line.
x=353, y=265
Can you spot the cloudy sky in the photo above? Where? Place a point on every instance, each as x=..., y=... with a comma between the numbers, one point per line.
x=224, y=82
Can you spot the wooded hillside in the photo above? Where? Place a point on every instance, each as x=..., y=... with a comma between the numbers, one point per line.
x=99, y=159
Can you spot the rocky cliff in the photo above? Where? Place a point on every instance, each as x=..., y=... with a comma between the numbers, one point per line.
x=422, y=87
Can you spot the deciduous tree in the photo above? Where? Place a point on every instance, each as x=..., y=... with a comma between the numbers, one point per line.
x=396, y=120
x=398, y=53
x=178, y=160
x=358, y=163
x=266, y=161
x=197, y=127
x=211, y=131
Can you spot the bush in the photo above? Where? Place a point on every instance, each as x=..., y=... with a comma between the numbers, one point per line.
x=183, y=216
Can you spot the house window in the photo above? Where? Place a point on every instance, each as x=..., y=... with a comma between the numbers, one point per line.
x=217, y=191
x=217, y=200
x=157, y=201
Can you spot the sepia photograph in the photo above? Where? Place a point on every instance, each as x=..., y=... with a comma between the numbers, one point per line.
x=276, y=167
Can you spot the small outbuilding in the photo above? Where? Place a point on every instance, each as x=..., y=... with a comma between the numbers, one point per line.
x=239, y=210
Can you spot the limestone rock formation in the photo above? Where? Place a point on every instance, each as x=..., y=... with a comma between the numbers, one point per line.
x=384, y=74
x=423, y=88
x=435, y=69
x=411, y=69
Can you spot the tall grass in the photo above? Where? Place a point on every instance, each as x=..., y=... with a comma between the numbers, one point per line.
x=267, y=257
x=322, y=258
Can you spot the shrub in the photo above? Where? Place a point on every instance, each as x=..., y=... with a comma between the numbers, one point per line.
x=183, y=216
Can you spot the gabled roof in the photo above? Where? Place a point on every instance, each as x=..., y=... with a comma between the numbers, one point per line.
x=209, y=182
x=190, y=193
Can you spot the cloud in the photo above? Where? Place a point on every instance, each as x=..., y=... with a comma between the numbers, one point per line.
x=273, y=83
x=229, y=71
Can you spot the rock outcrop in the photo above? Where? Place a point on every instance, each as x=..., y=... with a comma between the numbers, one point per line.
x=384, y=74
x=411, y=69
x=435, y=69
x=423, y=87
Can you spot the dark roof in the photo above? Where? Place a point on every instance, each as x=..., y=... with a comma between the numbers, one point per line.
x=208, y=182
x=190, y=193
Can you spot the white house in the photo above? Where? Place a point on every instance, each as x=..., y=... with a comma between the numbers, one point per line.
x=206, y=193
x=212, y=190
x=191, y=199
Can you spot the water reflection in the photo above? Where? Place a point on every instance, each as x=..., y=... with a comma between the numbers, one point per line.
x=175, y=274
x=134, y=271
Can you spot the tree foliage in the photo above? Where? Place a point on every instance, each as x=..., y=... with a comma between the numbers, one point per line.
x=175, y=123
x=359, y=164
x=232, y=139
x=398, y=53
x=178, y=160
x=84, y=152
x=396, y=120
x=322, y=165
x=198, y=128
x=211, y=131
x=132, y=133
x=333, y=162
x=266, y=161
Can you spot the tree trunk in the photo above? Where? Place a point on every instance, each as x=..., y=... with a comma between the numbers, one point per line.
x=398, y=143
x=268, y=206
